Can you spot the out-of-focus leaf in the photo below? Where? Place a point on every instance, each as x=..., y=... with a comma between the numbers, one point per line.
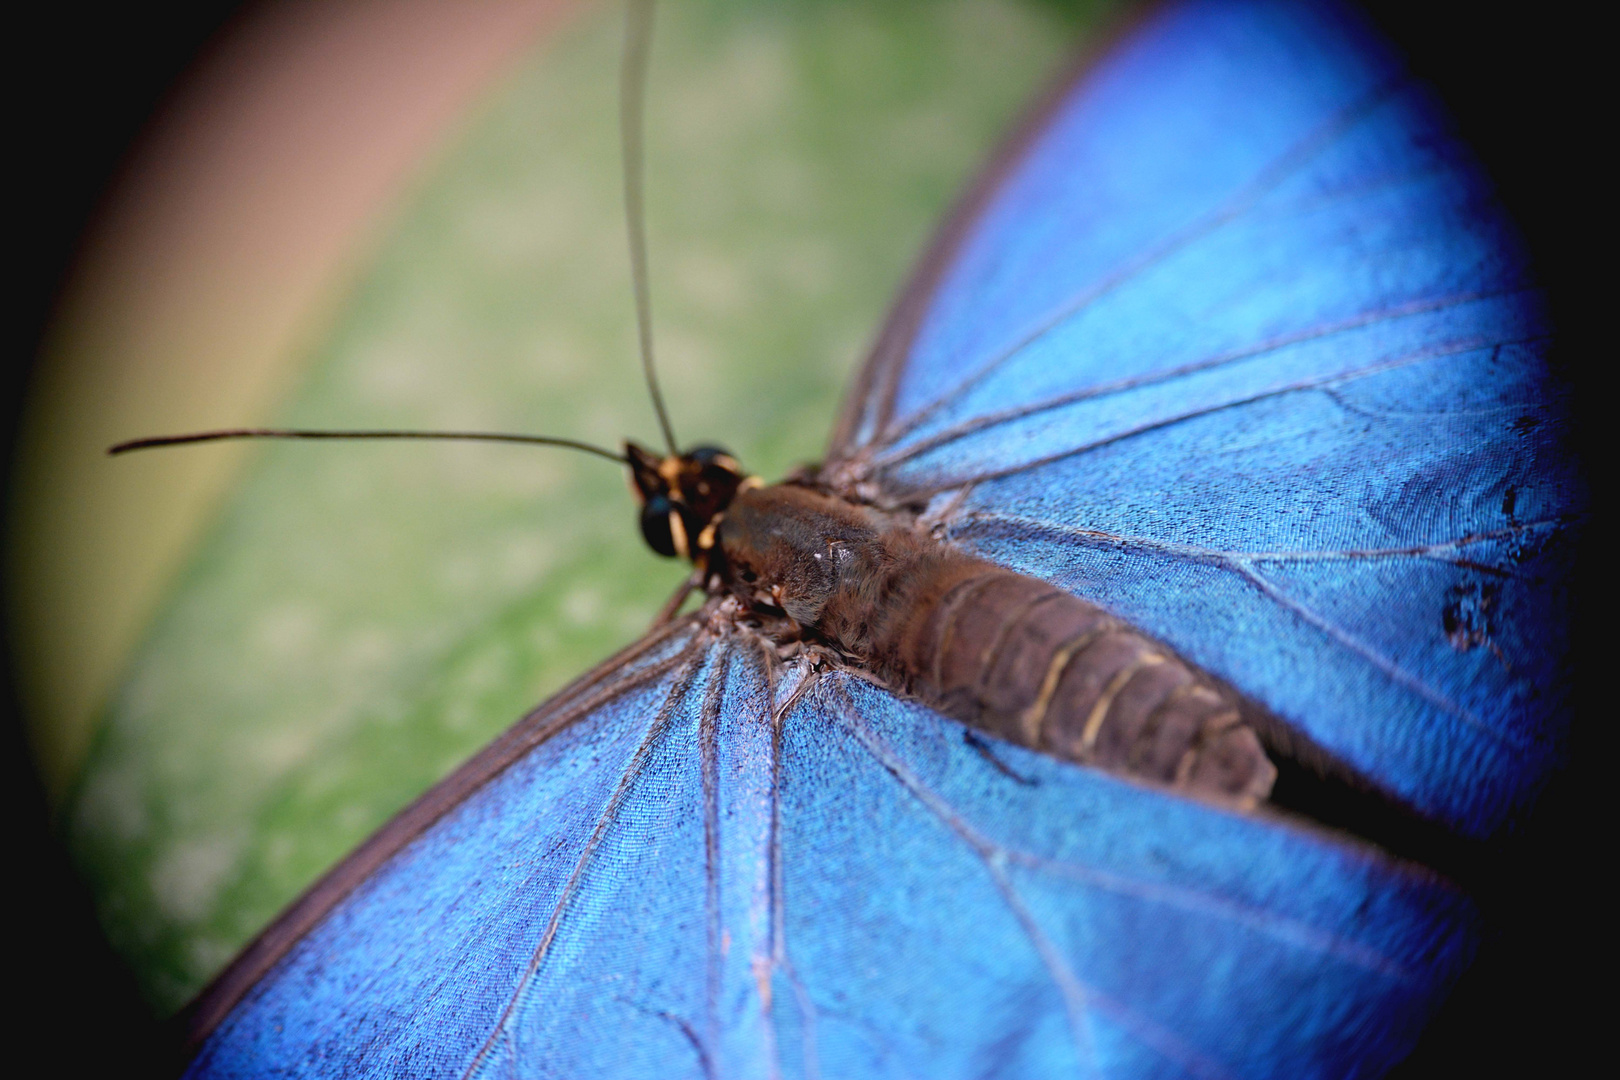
x=364, y=616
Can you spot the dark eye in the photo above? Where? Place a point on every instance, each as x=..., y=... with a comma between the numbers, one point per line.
x=705, y=455
x=749, y=576
x=655, y=525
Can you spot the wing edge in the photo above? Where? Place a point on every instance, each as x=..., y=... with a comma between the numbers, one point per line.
x=879, y=373
x=191, y=1027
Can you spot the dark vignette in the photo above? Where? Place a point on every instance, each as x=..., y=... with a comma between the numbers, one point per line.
x=86, y=78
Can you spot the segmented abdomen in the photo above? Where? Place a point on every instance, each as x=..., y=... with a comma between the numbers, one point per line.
x=1037, y=666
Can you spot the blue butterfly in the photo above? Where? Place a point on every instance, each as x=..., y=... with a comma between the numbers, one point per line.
x=1234, y=342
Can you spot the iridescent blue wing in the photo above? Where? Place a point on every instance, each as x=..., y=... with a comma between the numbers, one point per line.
x=402, y=960
x=701, y=863
x=952, y=913
x=1240, y=345
x=1236, y=343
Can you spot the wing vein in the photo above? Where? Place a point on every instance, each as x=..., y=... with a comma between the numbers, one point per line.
x=1319, y=332
x=1079, y=998
x=1242, y=564
x=780, y=960
x=1438, y=550
x=708, y=757
x=655, y=732
x=1075, y=994
x=1290, y=930
x=1450, y=349
x=1268, y=178
x=1381, y=663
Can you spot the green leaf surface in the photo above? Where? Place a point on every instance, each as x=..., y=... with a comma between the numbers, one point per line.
x=362, y=617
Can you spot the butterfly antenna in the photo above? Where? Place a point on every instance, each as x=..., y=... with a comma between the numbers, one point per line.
x=301, y=433
x=632, y=95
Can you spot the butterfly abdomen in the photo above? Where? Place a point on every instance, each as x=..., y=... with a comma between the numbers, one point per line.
x=1010, y=654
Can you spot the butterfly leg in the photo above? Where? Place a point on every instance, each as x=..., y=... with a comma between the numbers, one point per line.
x=672, y=606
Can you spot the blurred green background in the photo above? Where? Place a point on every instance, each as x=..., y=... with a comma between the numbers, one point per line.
x=351, y=621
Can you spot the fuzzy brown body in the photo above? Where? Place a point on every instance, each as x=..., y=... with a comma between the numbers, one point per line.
x=1005, y=652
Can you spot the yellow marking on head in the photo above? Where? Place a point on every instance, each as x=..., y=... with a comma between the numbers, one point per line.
x=677, y=533
x=669, y=469
x=727, y=462
x=1099, y=711
x=749, y=483
x=706, y=537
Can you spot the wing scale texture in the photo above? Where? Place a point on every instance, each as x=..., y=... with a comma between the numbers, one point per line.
x=1242, y=348
x=735, y=869
x=1237, y=344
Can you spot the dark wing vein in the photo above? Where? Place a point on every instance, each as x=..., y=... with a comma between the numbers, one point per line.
x=1283, y=168
x=1076, y=995
x=598, y=687
x=705, y=1062
x=1292, y=931
x=1243, y=564
x=1361, y=409
x=1379, y=662
x=1453, y=348
x=1079, y=998
x=779, y=958
x=708, y=756
x=1120, y=386
x=1440, y=550
x=655, y=732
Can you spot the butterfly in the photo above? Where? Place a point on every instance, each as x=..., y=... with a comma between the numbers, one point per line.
x=1235, y=344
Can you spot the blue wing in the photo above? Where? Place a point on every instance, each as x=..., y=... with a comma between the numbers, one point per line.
x=701, y=864
x=1241, y=347
x=1237, y=344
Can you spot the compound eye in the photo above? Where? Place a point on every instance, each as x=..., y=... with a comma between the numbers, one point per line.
x=706, y=455
x=655, y=525
x=711, y=457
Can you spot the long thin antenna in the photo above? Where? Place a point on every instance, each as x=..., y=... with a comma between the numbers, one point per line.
x=300, y=433
x=632, y=93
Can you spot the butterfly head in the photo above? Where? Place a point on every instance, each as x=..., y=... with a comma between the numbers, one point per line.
x=683, y=497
